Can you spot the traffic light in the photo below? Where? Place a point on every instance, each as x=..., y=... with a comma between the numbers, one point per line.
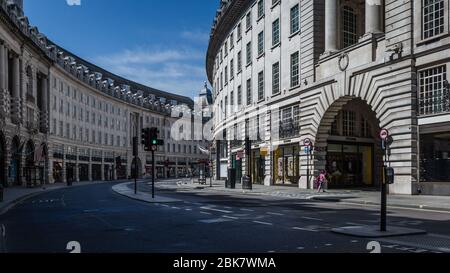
x=145, y=135
x=154, y=141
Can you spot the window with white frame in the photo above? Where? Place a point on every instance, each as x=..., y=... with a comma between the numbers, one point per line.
x=348, y=123
x=249, y=92
x=248, y=20
x=249, y=53
x=276, y=78
x=260, y=8
x=260, y=43
x=261, y=85
x=433, y=18
x=295, y=22
x=349, y=27
x=434, y=91
x=295, y=77
x=276, y=32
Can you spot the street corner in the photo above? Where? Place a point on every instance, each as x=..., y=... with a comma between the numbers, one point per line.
x=124, y=190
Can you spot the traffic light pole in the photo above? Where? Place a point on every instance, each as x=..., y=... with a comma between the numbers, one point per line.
x=383, y=215
x=153, y=174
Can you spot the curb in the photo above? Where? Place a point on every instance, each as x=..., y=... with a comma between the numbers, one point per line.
x=123, y=190
x=11, y=204
x=371, y=203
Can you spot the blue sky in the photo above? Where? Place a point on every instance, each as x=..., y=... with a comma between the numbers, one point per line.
x=160, y=43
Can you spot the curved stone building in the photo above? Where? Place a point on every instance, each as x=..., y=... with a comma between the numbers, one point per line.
x=65, y=119
x=332, y=73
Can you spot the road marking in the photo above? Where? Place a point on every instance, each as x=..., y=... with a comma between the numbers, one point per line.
x=263, y=223
x=166, y=206
x=218, y=210
x=175, y=207
x=300, y=248
x=418, y=246
x=203, y=212
x=3, y=231
x=213, y=221
x=311, y=218
x=188, y=209
x=246, y=210
x=354, y=241
x=275, y=213
x=231, y=217
x=304, y=229
x=328, y=244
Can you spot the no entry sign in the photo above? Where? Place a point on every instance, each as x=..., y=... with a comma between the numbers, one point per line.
x=384, y=134
x=307, y=142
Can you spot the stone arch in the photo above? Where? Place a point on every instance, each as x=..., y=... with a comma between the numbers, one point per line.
x=16, y=161
x=366, y=135
x=30, y=164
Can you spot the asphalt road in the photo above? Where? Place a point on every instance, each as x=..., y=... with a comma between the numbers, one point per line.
x=102, y=221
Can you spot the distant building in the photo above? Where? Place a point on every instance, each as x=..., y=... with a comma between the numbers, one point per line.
x=65, y=119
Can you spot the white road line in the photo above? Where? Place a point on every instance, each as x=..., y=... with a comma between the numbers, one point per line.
x=311, y=218
x=263, y=223
x=207, y=213
x=188, y=209
x=230, y=217
x=276, y=213
x=175, y=207
x=246, y=210
x=218, y=210
x=304, y=229
x=3, y=230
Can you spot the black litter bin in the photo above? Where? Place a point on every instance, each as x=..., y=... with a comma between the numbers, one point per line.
x=1, y=193
x=231, y=178
x=247, y=183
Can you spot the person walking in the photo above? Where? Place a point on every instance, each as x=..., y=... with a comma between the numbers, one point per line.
x=322, y=181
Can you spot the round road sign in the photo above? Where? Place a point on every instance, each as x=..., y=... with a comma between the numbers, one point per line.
x=384, y=134
x=307, y=142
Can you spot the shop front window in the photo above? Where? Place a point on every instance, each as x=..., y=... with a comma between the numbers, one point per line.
x=286, y=165
x=435, y=157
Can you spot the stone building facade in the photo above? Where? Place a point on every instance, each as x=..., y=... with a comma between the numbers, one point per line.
x=65, y=119
x=333, y=72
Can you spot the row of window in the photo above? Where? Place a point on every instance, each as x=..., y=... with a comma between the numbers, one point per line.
x=294, y=82
x=294, y=28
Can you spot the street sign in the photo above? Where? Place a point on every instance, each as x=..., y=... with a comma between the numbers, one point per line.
x=384, y=134
x=307, y=142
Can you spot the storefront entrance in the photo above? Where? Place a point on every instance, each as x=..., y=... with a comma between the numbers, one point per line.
x=236, y=163
x=350, y=165
x=258, y=167
x=287, y=165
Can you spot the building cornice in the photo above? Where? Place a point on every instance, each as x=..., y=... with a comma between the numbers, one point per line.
x=82, y=70
x=226, y=17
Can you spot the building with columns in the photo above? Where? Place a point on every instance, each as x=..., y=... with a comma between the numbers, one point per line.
x=64, y=119
x=333, y=73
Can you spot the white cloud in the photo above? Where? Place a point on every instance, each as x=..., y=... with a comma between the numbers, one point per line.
x=73, y=2
x=196, y=36
x=176, y=70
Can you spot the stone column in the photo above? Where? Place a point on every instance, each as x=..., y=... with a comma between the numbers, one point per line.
x=16, y=99
x=331, y=26
x=373, y=16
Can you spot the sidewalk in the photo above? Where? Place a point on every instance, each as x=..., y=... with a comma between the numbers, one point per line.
x=438, y=203
x=14, y=195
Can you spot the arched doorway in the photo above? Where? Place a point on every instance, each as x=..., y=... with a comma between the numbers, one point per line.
x=15, y=168
x=347, y=146
x=2, y=161
x=31, y=176
x=139, y=167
